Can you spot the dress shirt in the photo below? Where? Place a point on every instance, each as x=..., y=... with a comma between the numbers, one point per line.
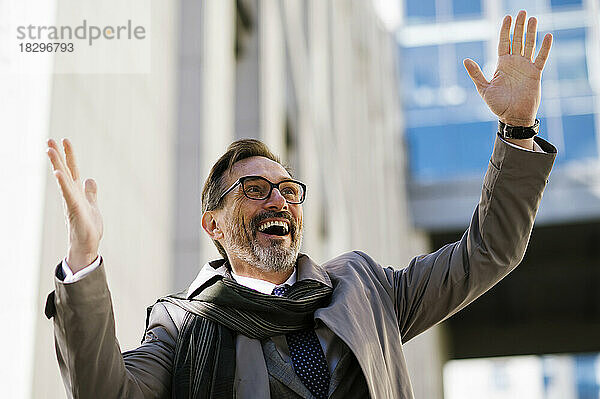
x=71, y=277
x=262, y=286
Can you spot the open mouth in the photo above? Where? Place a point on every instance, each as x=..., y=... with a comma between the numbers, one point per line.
x=274, y=228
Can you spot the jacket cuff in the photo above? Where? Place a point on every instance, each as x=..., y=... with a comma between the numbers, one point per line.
x=525, y=163
x=88, y=290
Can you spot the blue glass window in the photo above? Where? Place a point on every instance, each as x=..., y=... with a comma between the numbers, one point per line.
x=420, y=70
x=569, y=55
x=450, y=151
x=558, y=4
x=587, y=382
x=579, y=136
x=512, y=7
x=575, y=376
x=543, y=128
x=421, y=64
x=472, y=50
x=466, y=8
x=420, y=10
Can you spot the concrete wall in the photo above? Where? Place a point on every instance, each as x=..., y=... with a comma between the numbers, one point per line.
x=123, y=129
x=24, y=112
x=205, y=121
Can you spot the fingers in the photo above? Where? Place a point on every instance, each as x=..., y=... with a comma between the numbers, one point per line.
x=517, y=47
x=65, y=187
x=62, y=173
x=59, y=170
x=504, y=42
x=475, y=74
x=55, y=157
x=504, y=45
x=91, y=190
x=542, y=56
x=70, y=155
x=530, y=38
x=67, y=175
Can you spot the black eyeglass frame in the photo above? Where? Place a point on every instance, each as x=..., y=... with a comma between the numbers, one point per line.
x=273, y=185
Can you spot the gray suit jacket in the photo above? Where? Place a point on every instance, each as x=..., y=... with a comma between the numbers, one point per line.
x=373, y=310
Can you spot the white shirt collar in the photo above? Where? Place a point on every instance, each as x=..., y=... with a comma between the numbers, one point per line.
x=262, y=286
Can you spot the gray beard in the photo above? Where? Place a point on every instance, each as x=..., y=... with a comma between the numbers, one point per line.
x=274, y=258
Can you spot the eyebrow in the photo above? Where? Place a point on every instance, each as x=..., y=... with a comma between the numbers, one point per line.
x=265, y=177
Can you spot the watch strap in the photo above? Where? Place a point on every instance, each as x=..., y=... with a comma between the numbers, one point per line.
x=518, y=132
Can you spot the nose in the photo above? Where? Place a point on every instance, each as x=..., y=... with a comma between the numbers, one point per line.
x=276, y=201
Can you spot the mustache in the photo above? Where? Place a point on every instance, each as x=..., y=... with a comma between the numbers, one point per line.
x=258, y=219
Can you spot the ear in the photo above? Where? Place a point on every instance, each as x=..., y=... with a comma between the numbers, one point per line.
x=210, y=225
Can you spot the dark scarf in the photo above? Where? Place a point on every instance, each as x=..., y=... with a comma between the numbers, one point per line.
x=204, y=363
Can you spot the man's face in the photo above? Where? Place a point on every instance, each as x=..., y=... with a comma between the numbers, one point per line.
x=247, y=235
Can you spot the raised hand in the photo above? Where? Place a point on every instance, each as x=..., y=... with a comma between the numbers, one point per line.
x=514, y=92
x=83, y=217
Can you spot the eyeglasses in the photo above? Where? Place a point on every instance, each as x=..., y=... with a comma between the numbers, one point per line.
x=258, y=188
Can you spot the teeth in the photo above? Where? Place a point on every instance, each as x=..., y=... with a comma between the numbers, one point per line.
x=266, y=225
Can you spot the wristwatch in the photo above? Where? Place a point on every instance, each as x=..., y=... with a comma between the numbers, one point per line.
x=518, y=132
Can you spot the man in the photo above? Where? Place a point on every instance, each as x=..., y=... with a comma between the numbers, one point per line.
x=266, y=321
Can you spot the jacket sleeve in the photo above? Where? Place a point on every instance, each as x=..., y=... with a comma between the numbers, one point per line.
x=433, y=287
x=89, y=357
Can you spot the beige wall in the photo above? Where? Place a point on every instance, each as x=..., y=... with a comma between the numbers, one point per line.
x=24, y=112
x=123, y=130
x=218, y=76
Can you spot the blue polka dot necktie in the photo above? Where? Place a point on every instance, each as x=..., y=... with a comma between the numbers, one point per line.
x=307, y=356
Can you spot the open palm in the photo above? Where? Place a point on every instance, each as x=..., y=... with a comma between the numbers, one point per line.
x=84, y=220
x=514, y=92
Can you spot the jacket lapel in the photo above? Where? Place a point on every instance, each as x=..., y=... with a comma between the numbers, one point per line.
x=341, y=369
x=283, y=371
x=354, y=319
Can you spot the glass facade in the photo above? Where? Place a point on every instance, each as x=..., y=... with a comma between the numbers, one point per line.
x=533, y=377
x=418, y=11
x=443, y=111
x=449, y=130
